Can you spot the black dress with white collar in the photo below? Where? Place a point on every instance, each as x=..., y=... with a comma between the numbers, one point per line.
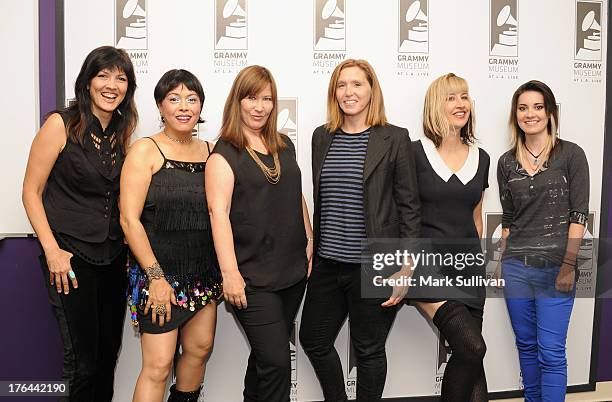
x=448, y=200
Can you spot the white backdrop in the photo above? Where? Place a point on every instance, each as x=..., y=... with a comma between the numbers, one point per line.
x=495, y=44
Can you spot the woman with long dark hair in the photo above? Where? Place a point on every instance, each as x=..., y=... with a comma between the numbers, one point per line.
x=261, y=229
x=70, y=193
x=544, y=191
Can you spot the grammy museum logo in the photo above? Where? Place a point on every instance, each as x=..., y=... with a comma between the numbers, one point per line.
x=287, y=119
x=231, y=36
x=443, y=354
x=293, y=353
x=503, y=39
x=329, y=29
x=413, y=38
x=588, y=42
x=131, y=32
x=351, y=369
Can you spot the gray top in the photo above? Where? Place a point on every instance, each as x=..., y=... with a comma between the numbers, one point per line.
x=538, y=209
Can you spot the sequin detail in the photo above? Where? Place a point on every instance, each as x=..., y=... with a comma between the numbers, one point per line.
x=191, y=291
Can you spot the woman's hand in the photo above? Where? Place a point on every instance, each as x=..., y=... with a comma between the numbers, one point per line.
x=233, y=289
x=161, y=294
x=566, y=278
x=60, y=271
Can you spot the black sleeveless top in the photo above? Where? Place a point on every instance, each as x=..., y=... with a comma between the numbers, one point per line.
x=176, y=221
x=81, y=195
x=267, y=220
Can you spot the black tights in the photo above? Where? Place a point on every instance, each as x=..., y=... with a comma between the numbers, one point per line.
x=464, y=377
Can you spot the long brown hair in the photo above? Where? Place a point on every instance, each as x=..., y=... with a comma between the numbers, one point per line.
x=80, y=116
x=552, y=111
x=376, y=108
x=250, y=81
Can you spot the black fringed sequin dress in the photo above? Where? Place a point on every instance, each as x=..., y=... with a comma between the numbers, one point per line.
x=175, y=218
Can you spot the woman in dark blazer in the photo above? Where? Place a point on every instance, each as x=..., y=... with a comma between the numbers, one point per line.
x=364, y=187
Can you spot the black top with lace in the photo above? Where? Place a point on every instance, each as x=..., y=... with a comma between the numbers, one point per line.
x=81, y=197
x=176, y=221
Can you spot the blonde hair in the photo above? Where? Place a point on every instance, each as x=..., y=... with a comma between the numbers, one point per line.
x=250, y=81
x=435, y=123
x=376, y=108
x=552, y=111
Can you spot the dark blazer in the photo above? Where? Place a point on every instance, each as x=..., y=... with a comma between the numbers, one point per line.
x=390, y=192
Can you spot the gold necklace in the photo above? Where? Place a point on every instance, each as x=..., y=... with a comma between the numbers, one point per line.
x=185, y=141
x=272, y=174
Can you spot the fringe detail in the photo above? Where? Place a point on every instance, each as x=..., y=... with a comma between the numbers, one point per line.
x=190, y=289
x=179, y=204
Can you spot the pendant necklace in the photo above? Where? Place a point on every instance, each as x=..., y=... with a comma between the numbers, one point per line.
x=535, y=157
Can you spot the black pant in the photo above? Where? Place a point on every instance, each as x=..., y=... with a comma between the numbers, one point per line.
x=90, y=320
x=267, y=322
x=333, y=293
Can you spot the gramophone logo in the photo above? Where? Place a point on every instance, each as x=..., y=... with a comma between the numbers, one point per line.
x=293, y=351
x=230, y=24
x=444, y=354
x=588, y=31
x=493, y=248
x=330, y=30
x=503, y=28
x=351, y=368
x=413, y=26
x=131, y=24
x=286, y=122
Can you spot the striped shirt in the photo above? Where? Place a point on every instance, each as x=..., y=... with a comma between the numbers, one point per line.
x=341, y=195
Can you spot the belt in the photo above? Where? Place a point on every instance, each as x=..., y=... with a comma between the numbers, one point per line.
x=537, y=261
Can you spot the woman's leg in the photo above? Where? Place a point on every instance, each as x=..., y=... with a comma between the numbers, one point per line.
x=520, y=301
x=77, y=318
x=264, y=323
x=157, y=356
x=553, y=311
x=197, y=337
x=324, y=311
x=369, y=325
x=462, y=331
x=112, y=283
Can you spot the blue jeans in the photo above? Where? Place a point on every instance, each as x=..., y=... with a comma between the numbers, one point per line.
x=540, y=317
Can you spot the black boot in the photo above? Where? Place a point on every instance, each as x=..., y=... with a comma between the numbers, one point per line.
x=180, y=396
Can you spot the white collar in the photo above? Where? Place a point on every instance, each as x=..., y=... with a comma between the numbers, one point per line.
x=467, y=171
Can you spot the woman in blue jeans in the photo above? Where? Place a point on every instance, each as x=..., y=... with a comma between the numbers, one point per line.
x=544, y=191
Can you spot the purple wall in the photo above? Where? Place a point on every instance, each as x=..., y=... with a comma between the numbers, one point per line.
x=31, y=345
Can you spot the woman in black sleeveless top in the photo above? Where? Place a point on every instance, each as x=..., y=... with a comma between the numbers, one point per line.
x=174, y=277
x=261, y=229
x=70, y=194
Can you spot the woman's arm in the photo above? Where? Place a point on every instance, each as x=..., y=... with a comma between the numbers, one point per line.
x=45, y=150
x=578, y=180
x=136, y=175
x=478, y=216
x=406, y=189
x=309, y=235
x=219, y=190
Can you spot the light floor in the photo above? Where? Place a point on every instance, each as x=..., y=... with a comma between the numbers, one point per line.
x=603, y=393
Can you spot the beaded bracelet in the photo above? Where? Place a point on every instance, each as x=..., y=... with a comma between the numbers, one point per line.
x=154, y=271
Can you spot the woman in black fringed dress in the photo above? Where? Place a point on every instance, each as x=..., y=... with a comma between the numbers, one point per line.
x=174, y=276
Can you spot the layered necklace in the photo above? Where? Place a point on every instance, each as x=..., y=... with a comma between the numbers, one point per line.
x=272, y=174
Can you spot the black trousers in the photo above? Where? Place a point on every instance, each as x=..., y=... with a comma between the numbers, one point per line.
x=267, y=322
x=90, y=321
x=334, y=292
